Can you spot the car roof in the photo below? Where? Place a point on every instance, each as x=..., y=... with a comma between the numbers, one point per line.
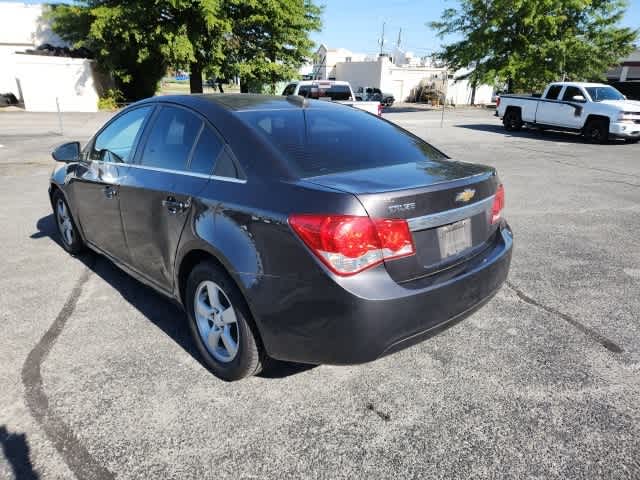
x=240, y=102
x=579, y=84
x=314, y=82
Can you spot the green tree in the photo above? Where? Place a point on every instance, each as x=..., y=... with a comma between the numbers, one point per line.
x=126, y=48
x=263, y=42
x=137, y=40
x=269, y=40
x=528, y=43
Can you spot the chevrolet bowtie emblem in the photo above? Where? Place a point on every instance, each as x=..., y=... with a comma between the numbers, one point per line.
x=465, y=195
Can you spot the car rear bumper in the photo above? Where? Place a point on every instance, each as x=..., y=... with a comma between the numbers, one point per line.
x=363, y=319
x=625, y=130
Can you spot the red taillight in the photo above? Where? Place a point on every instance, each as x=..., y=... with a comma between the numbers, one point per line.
x=379, y=109
x=497, y=102
x=348, y=244
x=498, y=204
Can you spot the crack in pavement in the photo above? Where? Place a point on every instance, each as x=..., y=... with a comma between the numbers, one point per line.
x=622, y=182
x=589, y=332
x=74, y=454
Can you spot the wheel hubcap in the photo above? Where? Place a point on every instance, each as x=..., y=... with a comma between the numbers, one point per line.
x=64, y=222
x=216, y=321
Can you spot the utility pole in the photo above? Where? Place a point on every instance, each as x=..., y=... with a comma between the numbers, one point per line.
x=381, y=41
x=399, y=38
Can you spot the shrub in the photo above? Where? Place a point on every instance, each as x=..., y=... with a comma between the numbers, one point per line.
x=110, y=99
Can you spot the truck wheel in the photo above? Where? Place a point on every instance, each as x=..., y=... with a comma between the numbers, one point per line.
x=512, y=120
x=596, y=131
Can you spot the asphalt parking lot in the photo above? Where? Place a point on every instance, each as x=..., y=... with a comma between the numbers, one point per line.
x=99, y=378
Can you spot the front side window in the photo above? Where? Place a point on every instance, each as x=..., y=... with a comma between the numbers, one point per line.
x=571, y=92
x=115, y=143
x=173, y=134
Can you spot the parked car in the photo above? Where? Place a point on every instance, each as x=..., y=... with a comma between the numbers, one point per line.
x=596, y=110
x=286, y=228
x=334, y=90
x=375, y=94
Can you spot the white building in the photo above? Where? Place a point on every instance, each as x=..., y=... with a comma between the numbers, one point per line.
x=407, y=73
x=325, y=60
x=36, y=80
x=628, y=70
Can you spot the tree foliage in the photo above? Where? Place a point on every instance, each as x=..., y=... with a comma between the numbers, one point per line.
x=137, y=40
x=269, y=40
x=528, y=43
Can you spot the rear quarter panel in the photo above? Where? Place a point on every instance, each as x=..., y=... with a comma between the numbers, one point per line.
x=245, y=227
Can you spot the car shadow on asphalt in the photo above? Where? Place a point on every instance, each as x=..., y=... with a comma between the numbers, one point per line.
x=17, y=452
x=534, y=134
x=161, y=311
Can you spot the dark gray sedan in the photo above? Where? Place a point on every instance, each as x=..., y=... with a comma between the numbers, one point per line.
x=287, y=228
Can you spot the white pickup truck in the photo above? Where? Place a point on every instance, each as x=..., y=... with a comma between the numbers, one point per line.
x=334, y=90
x=596, y=110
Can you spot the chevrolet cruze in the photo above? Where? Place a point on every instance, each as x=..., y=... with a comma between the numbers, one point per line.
x=286, y=228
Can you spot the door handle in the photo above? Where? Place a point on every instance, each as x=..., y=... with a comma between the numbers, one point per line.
x=175, y=206
x=110, y=191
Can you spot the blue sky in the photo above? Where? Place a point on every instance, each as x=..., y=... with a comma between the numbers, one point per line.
x=356, y=24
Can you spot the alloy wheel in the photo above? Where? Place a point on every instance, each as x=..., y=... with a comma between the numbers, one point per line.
x=64, y=222
x=217, y=322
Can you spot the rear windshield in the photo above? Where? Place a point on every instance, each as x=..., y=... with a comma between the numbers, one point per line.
x=333, y=92
x=324, y=141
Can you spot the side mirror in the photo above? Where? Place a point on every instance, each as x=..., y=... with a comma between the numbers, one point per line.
x=578, y=98
x=67, y=152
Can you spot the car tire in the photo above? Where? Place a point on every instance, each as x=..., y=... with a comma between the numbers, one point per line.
x=596, y=131
x=221, y=325
x=512, y=120
x=69, y=234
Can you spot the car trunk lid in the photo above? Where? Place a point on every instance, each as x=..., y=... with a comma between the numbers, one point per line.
x=446, y=204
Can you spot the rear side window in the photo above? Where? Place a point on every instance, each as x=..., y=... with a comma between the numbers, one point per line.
x=116, y=141
x=553, y=92
x=336, y=140
x=172, y=137
x=206, y=151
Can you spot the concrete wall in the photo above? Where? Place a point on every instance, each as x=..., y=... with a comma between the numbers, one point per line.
x=459, y=93
x=359, y=74
x=400, y=81
x=43, y=79
x=389, y=78
x=35, y=79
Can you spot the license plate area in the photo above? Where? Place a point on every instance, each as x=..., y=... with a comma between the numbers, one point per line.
x=454, y=238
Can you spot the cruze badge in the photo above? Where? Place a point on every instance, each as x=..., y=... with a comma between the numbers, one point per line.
x=465, y=195
x=405, y=207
